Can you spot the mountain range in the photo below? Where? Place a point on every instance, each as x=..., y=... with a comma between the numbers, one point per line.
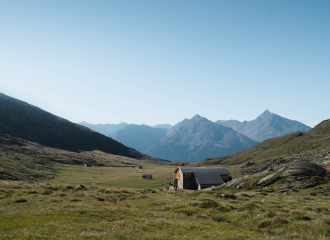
x=267, y=125
x=174, y=143
x=198, y=138
x=108, y=129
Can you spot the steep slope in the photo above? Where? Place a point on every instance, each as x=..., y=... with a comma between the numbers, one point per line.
x=105, y=129
x=139, y=137
x=22, y=120
x=197, y=138
x=313, y=145
x=266, y=126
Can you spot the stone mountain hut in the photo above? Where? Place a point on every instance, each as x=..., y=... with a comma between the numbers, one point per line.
x=200, y=177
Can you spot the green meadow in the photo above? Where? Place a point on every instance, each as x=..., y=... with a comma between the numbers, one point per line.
x=122, y=205
x=121, y=177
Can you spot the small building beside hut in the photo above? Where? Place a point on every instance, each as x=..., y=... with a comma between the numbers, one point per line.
x=147, y=176
x=139, y=167
x=200, y=177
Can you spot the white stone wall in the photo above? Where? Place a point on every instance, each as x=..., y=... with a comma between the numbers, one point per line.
x=180, y=182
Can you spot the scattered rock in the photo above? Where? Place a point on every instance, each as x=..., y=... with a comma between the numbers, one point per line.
x=250, y=164
x=119, y=200
x=285, y=190
x=270, y=176
x=223, y=195
x=266, y=178
x=263, y=200
x=80, y=186
x=213, y=188
x=241, y=185
x=304, y=169
x=246, y=193
x=270, y=190
x=296, y=184
x=232, y=182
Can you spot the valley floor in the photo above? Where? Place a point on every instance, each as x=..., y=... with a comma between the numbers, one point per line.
x=121, y=177
x=145, y=209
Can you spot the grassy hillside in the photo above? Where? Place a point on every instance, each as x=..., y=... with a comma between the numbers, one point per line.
x=25, y=160
x=308, y=146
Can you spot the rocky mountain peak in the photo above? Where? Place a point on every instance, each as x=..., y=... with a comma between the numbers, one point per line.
x=266, y=113
x=196, y=116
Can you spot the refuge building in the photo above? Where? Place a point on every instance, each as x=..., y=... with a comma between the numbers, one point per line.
x=200, y=177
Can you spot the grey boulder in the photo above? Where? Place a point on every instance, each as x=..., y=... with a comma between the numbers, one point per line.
x=304, y=169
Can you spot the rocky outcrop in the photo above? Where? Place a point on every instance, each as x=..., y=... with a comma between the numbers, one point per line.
x=304, y=169
x=273, y=175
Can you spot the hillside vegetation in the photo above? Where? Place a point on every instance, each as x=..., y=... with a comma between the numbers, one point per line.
x=25, y=160
x=313, y=145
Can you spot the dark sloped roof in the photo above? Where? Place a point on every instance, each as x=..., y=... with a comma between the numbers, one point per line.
x=206, y=170
x=208, y=178
x=206, y=175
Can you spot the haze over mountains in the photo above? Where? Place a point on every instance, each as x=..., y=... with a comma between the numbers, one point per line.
x=139, y=137
x=105, y=129
x=267, y=125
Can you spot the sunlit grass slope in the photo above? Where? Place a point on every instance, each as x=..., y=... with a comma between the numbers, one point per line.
x=295, y=145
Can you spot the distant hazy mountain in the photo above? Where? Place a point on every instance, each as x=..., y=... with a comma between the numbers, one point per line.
x=266, y=126
x=165, y=126
x=22, y=120
x=104, y=129
x=198, y=138
x=178, y=125
x=139, y=137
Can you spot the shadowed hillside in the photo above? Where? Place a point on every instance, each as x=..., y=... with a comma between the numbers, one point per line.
x=22, y=120
x=313, y=145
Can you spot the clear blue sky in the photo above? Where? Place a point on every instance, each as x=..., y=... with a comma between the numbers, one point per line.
x=150, y=62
